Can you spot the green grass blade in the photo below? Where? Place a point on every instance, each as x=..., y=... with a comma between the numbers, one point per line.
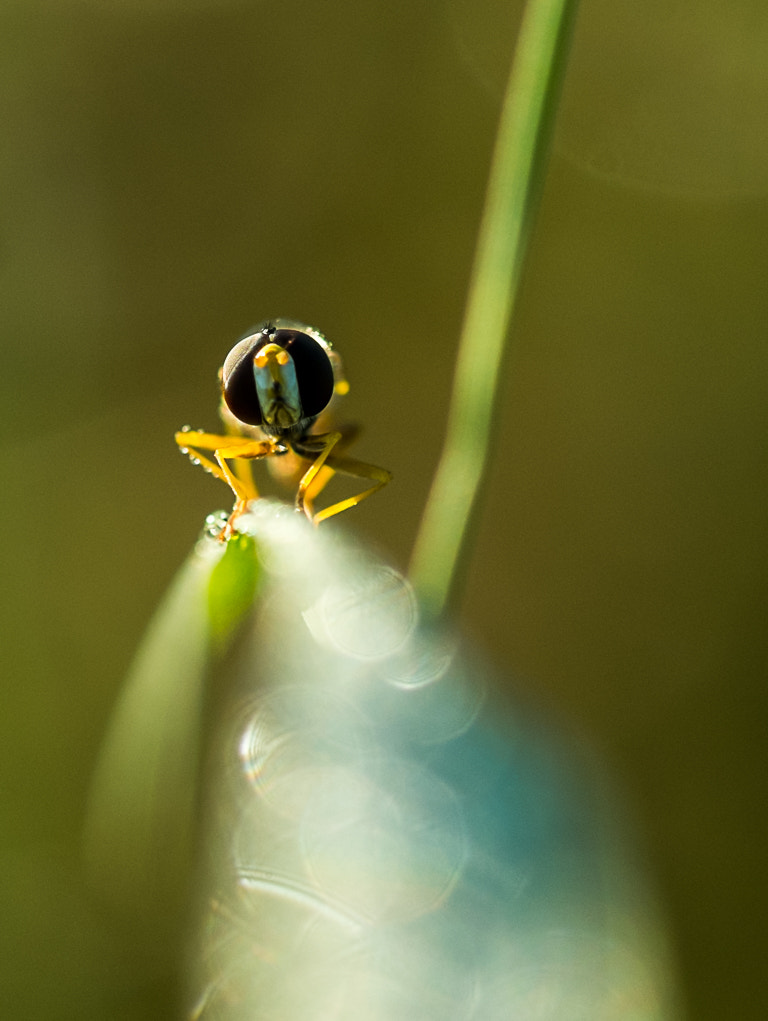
x=517, y=175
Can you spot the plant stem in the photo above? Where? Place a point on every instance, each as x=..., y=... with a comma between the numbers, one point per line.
x=514, y=187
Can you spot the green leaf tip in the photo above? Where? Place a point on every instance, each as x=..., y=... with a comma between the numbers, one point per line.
x=231, y=588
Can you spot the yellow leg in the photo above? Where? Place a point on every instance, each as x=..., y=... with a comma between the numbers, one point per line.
x=321, y=471
x=242, y=467
x=316, y=443
x=325, y=445
x=226, y=448
x=358, y=470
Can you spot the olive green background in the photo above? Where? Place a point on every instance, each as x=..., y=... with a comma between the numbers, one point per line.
x=171, y=173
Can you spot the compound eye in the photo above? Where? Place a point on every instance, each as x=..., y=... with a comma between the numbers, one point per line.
x=238, y=384
x=314, y=370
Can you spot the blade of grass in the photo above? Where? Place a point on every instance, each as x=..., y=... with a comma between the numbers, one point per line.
x=517, y=175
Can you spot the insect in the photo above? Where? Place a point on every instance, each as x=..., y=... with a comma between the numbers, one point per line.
x=275, y=383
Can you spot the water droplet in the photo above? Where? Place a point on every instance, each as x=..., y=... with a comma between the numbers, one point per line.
x=195, y=460
x=185, y=429
x=214, y=524
x=184, y=450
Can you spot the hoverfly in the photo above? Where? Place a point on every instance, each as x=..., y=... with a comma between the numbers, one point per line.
x=275, y=383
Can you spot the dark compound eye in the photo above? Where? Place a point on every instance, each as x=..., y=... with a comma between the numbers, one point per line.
x=238, y=382
x=314, y=372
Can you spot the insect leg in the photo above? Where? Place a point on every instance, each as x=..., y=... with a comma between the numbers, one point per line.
x=349, y=433
x=226, y=448
x=325, y=445
x=358, y=470
x=325, y=464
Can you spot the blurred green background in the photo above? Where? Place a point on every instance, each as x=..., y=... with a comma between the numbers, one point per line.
x=172, y=172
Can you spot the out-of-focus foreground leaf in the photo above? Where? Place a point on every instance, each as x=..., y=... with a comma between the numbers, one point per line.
x=379, y=836
x=144, y=793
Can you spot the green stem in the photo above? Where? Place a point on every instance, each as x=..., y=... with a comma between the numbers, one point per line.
x=514, y=187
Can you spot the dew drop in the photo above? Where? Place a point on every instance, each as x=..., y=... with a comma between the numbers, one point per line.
x=184, y=450
x=185, y=429
x=214, y=524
